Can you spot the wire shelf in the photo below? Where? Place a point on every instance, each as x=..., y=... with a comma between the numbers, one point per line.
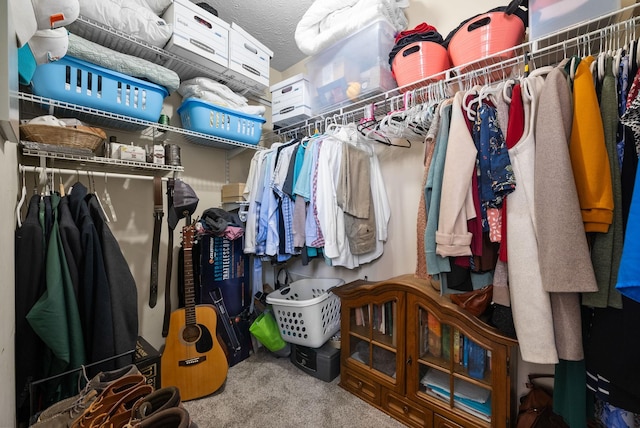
x=119, y=41
x=98, y=164
x=33, y=105
x=608, y=32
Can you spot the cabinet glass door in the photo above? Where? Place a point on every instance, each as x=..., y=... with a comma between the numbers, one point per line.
x=373, y=336
x=450, y=361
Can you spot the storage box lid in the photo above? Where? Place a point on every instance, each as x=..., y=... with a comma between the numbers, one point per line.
x=201, y=13
x=298, y=77
x=239, y=29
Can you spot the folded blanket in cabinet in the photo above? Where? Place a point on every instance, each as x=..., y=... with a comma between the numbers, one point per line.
x=127, y=64
x=329, y=21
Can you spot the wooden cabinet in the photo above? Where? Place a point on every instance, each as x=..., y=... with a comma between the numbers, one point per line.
x=418, y=357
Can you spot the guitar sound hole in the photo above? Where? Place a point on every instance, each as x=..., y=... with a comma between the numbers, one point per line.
x=191, y=333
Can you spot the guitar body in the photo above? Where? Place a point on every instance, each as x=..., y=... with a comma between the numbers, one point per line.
x=193, y=359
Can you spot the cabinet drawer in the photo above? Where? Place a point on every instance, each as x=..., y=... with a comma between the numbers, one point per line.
x=442, y=422
x=361, y=387
x=403, y=409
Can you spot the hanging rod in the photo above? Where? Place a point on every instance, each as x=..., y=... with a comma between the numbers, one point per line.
x=39, y=169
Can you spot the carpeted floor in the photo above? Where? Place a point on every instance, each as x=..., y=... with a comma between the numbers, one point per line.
x=267, y=391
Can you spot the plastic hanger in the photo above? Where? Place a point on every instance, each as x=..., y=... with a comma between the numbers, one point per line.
x=107, y=200
x=23, y=197
x=507, y=90
x=468, y=104
x=93, y=190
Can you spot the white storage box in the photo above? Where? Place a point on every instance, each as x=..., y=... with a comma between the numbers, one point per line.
x=249, y=60
x=198, y=35
x=307, y=312
x=290, y=101
x=549, y=16
x=353, y=68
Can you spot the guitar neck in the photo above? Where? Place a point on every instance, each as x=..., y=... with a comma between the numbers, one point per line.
x=189, y=288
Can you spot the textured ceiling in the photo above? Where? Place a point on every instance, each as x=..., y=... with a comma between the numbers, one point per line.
x=272, y=22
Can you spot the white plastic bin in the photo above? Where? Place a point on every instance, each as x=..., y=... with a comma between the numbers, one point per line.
x=307, y=312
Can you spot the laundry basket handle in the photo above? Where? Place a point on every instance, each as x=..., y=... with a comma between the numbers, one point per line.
x=287, y=278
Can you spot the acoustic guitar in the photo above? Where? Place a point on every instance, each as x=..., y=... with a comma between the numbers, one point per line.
x=193, y=359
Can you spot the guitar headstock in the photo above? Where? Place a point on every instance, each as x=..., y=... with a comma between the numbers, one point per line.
x=188, y=236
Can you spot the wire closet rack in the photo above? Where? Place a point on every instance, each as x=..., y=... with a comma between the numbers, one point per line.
x=609, y=32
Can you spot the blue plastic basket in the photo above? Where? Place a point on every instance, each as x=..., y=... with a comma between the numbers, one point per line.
x=84, y=84
x=200, y=116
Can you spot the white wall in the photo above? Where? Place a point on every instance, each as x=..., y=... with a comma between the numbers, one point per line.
x=8, y=178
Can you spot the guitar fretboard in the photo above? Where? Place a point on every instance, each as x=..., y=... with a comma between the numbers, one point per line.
x=189, y=289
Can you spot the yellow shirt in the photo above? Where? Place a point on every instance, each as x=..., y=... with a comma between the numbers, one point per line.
x=588, y=152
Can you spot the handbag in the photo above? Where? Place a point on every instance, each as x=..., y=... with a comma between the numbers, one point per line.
x=536, y=407
x=475, y=302
x=266, y=330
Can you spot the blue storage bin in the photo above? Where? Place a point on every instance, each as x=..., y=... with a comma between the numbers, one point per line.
x=84, y=84
x=201, y=116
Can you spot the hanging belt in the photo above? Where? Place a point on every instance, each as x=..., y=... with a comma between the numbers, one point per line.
x=167, y=288
x=157, y=229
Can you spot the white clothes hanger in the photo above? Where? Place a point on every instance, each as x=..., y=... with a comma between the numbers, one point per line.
x=468, y=106
x=23, y=197
x=107, y=200
x=93, y=190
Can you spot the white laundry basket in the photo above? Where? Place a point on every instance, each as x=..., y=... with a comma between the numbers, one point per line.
x=306, y=310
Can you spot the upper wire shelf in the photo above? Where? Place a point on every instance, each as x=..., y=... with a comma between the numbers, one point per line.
x=112, y=120
x=185, y=68
x=100, y=164
x=608, y=32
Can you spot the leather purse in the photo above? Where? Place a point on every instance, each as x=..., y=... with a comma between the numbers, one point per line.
x=536, y=407
x=475, y=302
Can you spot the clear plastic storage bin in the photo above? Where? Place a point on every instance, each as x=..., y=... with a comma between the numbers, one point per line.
x=353, y=68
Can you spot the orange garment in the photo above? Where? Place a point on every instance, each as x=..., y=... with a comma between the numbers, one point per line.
x=589, y=158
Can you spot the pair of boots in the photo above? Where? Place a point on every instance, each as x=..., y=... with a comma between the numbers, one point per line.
x=116, y=399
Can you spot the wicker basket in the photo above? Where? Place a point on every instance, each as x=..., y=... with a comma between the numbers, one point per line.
x=80, y=137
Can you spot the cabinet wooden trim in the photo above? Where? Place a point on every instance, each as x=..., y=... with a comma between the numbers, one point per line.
x=408, y=396
x=404, y=410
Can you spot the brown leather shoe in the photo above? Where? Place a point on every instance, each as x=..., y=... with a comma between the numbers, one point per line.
x=118, y=415
x=74, y=406
x=157, y=401
x=175, y=417
x=108, y=398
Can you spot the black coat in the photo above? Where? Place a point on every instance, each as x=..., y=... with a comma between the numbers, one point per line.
x=94, y=296
x=124, y=293
x=70, y=235
x=30, y=285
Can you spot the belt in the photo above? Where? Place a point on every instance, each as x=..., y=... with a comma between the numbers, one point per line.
x=167, y=289
x=157, y=229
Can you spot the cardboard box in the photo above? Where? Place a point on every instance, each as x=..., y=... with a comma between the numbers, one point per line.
x=198, y=35
x=131, y=153
x=147, y=359
x=233, y=192
x=290, y=101
x=224, y=265
x=249, y=60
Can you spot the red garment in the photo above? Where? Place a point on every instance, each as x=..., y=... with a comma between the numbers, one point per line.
x=515, y=129
x=420, y=28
